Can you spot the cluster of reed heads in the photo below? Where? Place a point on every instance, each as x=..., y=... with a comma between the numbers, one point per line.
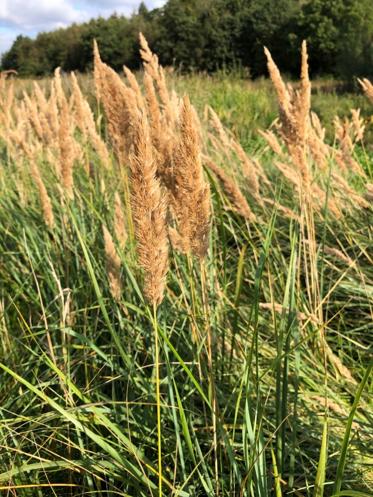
x=160, y=151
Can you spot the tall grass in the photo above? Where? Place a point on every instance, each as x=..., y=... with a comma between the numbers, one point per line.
x=251, y=377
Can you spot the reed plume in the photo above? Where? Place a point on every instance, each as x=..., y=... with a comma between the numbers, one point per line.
x=191, y=196
x=149, y=211
x=119, y=103
x=86, y=122
x=294, y=110
x=232, y=191
x=367, y=86
x=67, y=155
x=45, y=200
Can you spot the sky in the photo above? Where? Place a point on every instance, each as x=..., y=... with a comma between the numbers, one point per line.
x=29, y=17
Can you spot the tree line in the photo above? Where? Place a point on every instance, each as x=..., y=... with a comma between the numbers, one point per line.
x=208, y=35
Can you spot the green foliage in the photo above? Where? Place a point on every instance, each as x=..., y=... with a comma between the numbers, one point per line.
x=213, y=34
x=77, y=368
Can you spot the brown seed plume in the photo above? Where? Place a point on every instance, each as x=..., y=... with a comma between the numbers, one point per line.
x=191, y=197
x=294, y=113
x=119, y=103
x=156, y=72
x=149, y=211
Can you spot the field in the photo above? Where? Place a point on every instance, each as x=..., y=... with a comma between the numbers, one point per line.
x=186, y=302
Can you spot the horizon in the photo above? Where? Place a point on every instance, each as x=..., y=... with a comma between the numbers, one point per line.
x=20, y=17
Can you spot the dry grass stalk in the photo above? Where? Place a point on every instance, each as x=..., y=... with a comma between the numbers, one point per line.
x=294, y=114
x=348, y=194
x=156, y=72
x=218, y=127
x=226, y=142
x=191, y=196
x=272, y=141
x=67, y=152
x=86, y=122
x=119, y=104
x=6, y=102
x=279, y=309
x=45, y=200
x=339, y=255
x=33, y=116
x=251, y=169
x=320, y=199
x=113, y=265
x=60, y=94
x=53, y=114
x=358, y=124
x=119, y=222
x=153, y=108
x=281, y=208
x=149, y=211
x=134, y=85
x=343, y=132
x=232, y=191
x=319, y=150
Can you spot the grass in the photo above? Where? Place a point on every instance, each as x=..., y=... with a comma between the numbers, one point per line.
x=227, y=389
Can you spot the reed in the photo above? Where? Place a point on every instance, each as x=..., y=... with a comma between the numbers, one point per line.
x=191, y=196
x=113, y=265
x=149, y=211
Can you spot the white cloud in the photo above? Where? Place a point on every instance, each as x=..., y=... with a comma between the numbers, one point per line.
x=6, y=40
x=42, y=14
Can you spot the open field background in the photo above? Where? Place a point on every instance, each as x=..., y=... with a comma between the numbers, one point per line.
x=251, y=378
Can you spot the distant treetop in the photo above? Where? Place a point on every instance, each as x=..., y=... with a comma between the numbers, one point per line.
x=206, y=35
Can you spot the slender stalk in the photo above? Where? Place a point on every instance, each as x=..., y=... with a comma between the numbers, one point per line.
x=212, y=388
x=158, y=398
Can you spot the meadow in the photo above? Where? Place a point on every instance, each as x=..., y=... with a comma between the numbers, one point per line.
x=186, y=294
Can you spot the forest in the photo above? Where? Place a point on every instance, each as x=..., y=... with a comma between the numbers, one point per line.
x=211, y=35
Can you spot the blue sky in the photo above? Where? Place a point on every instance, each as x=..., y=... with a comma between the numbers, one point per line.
x=28, y=17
